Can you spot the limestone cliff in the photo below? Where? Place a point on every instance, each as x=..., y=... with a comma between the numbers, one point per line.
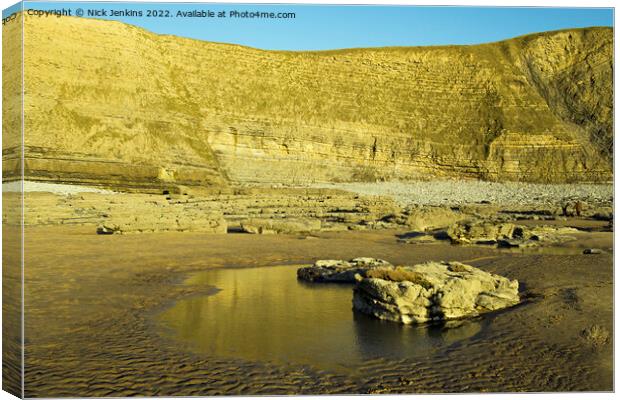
x=113, y=104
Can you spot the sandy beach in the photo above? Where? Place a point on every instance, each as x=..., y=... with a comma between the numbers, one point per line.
x=105, y=338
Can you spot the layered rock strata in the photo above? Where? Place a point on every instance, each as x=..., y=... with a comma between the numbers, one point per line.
x=114, y=105
x=253, y=210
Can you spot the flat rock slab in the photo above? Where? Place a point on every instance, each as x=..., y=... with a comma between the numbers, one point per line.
x=507, y=234
x=479, y=232
x=340, y=270
x=433, y=291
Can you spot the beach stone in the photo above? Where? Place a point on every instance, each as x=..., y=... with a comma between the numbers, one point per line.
x=107, y=229
x=593, y=251
x=340, y=270
x=433, y=291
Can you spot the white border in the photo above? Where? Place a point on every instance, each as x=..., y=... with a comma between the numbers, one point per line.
x=490, y=3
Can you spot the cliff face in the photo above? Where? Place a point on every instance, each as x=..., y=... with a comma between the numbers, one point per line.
x=114, y=104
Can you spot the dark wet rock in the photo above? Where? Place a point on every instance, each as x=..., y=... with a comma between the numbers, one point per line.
x=593, y=251
x=108, y=229
x=340, y=270
x=441, y=235
x=603, y=216
x=516, y=243
x=433, y=291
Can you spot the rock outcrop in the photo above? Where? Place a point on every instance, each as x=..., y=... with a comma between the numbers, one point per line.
x=115, y=105
x=432, y=292
x=288, y=211
x=253, y=210
x=341, y=271
x=508, y=234
x=480, y=232
x=429, y=218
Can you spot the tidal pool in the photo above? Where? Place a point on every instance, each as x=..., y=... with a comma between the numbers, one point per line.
x=265, y=314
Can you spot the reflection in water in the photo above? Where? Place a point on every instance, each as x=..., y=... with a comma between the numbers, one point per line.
x=549, y=250
x=265, y=314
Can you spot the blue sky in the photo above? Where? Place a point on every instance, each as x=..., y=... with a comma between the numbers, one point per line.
x=319, y=27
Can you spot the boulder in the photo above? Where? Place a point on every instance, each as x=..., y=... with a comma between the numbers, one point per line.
x=340, y=270
x=593, y=251
x=434, y=291
x=108, y=229
x=551, y=234
x=428, y=218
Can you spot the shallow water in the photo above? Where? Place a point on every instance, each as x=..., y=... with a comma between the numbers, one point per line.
x=266, y=314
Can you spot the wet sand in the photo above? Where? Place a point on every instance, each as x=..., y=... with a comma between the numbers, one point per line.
x=92, y=307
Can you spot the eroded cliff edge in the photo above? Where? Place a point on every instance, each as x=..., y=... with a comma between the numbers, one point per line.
x=111, y=104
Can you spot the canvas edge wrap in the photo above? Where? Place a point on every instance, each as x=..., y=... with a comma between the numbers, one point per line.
x=12, y=206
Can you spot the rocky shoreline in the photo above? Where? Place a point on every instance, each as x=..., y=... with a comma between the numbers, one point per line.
x=286, y=210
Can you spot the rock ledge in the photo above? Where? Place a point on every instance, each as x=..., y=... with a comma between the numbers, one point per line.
x=341, y=271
